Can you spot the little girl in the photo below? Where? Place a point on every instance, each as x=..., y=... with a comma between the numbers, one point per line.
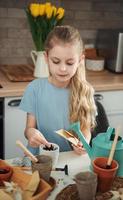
x=64, y=97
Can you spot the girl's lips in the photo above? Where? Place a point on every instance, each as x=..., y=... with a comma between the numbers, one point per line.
x=62, y=74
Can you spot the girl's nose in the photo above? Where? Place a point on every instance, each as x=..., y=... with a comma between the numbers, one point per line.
x=63, y=67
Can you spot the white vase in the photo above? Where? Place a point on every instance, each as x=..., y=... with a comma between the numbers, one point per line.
x=41, y=68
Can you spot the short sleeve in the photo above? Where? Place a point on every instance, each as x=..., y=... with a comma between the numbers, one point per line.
x=28, y=100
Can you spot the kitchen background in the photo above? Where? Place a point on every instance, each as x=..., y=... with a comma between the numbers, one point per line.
x=15, y=47
x=88, y=16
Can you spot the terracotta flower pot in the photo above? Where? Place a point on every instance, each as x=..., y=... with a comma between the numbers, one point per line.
x=105, y=176
x=5, y=174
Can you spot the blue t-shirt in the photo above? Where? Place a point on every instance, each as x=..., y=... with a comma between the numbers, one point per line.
x=50, y=106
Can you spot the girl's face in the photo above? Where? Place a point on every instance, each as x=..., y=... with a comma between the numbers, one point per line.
x=63, y=61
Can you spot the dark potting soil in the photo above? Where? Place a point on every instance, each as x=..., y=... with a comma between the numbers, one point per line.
x=72, y=194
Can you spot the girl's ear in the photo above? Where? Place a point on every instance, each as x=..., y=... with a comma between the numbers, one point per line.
x=46, y=56
x=82, y=58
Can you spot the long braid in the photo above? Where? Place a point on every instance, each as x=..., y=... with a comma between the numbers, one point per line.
x=82, y=106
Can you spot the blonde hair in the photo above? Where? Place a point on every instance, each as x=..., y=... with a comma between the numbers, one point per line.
x=82, y=105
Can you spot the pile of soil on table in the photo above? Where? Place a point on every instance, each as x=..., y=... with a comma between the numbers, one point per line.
x=72, y=194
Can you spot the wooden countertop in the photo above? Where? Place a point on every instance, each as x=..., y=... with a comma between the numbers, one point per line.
x=105, y=80
x=11, y=89
x=101, y=81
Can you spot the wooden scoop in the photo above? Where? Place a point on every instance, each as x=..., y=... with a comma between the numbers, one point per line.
x=26, y=151
x=111, y=155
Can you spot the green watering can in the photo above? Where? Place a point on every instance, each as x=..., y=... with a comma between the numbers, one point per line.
x=101, y=145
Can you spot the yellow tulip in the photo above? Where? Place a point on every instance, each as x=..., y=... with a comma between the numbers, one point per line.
x=54, y=10
x=60, y=13
x=41, y=9
x=34, y=8
x=47, y=4
x=44, y=17
x=49, y=12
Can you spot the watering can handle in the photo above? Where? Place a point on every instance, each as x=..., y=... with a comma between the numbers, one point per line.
x=109, y=132
x=33, y=55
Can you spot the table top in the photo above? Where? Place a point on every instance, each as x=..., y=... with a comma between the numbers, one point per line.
x=76, y=163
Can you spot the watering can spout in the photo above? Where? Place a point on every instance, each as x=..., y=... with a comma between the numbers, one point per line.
x=76, y=128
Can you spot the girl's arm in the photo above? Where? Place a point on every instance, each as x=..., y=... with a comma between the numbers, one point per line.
x=34, y=136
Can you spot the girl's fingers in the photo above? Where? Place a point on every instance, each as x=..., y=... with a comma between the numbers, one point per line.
x=79, y=149
x=39, y=139
x=42, y=140
x=80, y=144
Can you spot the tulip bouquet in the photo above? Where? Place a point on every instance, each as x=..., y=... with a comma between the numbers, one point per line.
x=42, y=19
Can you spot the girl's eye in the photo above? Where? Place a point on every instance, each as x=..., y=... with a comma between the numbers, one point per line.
x=56, y=62
x=70, y=63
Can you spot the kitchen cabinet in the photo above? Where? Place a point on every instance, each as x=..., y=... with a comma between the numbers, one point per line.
x=14, y=125
x=113, y=104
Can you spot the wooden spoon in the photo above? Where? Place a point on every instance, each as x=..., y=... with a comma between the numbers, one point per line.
x=111, y=155
x=26, y=151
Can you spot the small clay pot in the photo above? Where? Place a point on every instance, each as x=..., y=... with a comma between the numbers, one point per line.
x=86, y=185
x=5, y=174
x=105, y=176
x=43, y=166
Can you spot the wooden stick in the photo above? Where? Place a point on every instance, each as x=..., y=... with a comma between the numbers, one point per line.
x=26, y=151
x=110, y=158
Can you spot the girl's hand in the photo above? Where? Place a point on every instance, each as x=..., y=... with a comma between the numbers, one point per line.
x=79, y=148
x=36, y=138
